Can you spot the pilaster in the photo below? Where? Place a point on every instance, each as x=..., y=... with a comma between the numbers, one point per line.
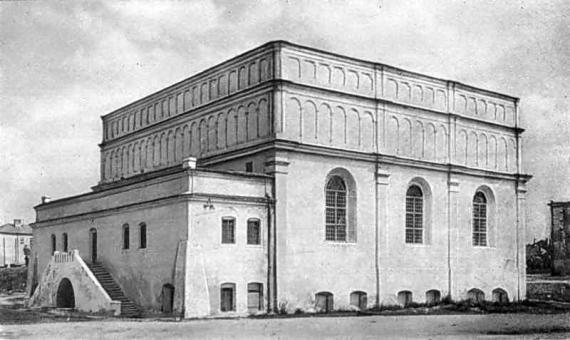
x=278, y=166
x=521, y=238
x=381, y=225
x=452, y=234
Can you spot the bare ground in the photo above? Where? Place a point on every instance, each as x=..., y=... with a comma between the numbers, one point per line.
x=17, y=322
x=531, y=326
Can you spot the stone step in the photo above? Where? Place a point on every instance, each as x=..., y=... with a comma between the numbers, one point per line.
x=128, y=308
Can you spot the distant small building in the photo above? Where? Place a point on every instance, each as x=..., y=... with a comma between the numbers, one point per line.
x=15, y=238
x=560, y=236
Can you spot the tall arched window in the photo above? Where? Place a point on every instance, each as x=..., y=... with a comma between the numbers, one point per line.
x=336, y=209
x=126, y=237
x=64, y=238
x=414, y=214
x=142, y=235
x=53, y=244
x=479, y=219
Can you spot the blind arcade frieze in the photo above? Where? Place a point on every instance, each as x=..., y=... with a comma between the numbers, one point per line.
x=377, y=81
x=286, y=91
x=221, y=130
x=190, y=94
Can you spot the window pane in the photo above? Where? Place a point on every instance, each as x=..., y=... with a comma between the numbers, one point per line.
x=330, y=233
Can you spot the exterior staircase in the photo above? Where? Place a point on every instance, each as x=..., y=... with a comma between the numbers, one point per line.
x=128, y=308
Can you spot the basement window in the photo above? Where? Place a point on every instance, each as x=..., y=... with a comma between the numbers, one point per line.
x=254, y=297
x=227, y=297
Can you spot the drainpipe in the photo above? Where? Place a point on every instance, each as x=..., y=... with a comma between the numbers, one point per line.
x=449, y=222
x=376, y=239
x=270, y=268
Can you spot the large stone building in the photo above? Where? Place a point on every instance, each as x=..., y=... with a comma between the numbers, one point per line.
x=322, y=181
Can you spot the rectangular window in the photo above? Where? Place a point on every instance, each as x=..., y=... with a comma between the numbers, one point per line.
x=126, y=237
x=253, y=232
x=249, y=167
x=414, y=219
x=142, y=235
x=228, y=230
x=254, y=297
x=479, y=224
x=227, y=297
x=65, y=242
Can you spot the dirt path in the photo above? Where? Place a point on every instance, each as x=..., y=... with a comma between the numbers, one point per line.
x=371, y=327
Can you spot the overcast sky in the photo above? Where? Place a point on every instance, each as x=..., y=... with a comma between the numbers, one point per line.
x=64, y=64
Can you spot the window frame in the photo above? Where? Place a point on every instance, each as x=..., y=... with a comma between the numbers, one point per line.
x=232, y=286
x=415, y=215
x=53, y=244
x=260, y=298
x=143, y=240
x=233, y=232
x=258, y=224
x=361, y=298
x=65, y=242
x=249, y=167
x=336, y=208
x=480, y=220
x=327, y=298
x=126, y=237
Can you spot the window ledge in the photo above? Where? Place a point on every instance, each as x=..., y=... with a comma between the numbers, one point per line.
x=340, y=243
x=483, y=247
x=255, y=246
x=417, y=245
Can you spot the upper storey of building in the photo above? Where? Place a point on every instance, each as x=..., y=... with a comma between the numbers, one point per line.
x=290, y=92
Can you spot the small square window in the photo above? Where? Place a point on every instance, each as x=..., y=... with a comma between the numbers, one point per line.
x=249, y=167
x=228, y=230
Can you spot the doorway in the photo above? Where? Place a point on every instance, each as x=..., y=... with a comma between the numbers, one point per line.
x=167, y=298
x=65, y=296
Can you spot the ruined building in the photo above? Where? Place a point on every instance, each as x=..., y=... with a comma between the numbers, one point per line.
x=289, y=177
x=560, y=237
